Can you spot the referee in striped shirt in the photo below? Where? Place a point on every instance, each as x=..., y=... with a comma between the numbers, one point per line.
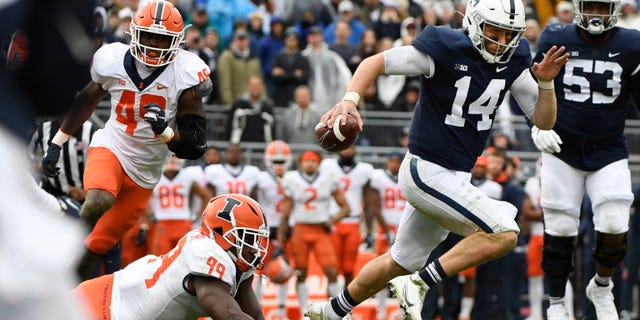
x=72, y=161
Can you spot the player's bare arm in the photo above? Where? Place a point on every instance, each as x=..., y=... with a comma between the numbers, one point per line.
x=82, y=108
x=345, y=210
x=247, y=300
x=369, y=215
x=374, y=197
x=215, y=299
x=283, y=229
x=544, y=116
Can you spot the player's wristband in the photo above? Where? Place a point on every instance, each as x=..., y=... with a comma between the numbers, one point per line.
x=545, y=85
x=353, y=97
x=60, y=137
x=166, y=135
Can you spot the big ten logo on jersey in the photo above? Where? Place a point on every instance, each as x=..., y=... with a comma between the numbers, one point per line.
x=238, y=187
x=312, y=195
x=129, y=113
x=392, y=198
x=171, y=196
x=203, y=74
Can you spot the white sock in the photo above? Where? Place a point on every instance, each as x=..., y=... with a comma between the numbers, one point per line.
x=282, y=295
x=301, y=288
x=600, y=280
x=382, y=303
x=466, y=305
x=568, y=299
x=536, y=293
x=257, y=288
x=334, y=289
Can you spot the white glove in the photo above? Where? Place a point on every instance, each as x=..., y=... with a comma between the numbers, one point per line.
x=546, y=140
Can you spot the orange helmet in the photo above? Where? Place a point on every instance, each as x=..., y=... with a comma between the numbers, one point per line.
x=160, y=18
x=278, y=270
x=238, y=225
x=277, y=157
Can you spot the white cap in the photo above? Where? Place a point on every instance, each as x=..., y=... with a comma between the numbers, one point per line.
x=629, y=2
x=345, y=5
x=564, y=6
x=125, y=12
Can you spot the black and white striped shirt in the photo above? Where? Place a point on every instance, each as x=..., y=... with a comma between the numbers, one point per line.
x=72, y=156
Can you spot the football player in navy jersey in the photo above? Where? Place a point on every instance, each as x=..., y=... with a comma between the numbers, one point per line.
x=466, y=74
x=593, y=90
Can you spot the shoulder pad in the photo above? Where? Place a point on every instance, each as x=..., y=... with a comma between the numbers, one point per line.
x=203, y=89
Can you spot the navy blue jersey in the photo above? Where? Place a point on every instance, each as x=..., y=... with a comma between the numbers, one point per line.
x=593, y=89
x=456, y=108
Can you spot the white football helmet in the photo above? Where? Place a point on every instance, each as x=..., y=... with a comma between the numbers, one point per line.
x=596, y=23
x=504, y=14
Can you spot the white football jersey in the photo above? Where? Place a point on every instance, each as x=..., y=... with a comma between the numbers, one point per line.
x=126, y=134
x=491, y=188
x=153, y=287
x=270, y=195
x=171, y=197
x=391, y=200
x=311, y=195
x=351, y=182
x=227, y=179
x=532, y=188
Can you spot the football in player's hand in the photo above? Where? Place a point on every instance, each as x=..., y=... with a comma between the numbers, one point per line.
x=340, y=137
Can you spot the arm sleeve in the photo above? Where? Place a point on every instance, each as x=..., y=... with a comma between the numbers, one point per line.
x=407, y=60
x=525, y=90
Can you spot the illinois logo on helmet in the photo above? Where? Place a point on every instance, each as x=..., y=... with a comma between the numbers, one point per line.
x=238, y=225
x=277, y=157
x=154, y=24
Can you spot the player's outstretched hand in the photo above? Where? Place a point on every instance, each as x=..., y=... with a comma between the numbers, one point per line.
x=50, y=160
x=342, y=108
x=546, y=140
x=154, y=114
x=548, y=68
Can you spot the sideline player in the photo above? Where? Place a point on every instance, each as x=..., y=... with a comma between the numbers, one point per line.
x=466, y=74
x=156, y=105
x=232, y=176
x=593, y=91
x=209, y=272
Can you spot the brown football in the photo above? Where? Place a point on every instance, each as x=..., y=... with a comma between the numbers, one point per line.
x=340, y=137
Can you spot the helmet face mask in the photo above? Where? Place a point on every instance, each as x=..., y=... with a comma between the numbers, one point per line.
x=495, y=27
x=156, y=23
x=238, y=225
x=596, y=16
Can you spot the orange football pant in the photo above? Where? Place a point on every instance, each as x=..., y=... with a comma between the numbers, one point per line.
x=311, y=237
x=534, y=255
x=346, y=240
x=166, y=234
x=103, y=171
x=382, y=243
x=95, y=295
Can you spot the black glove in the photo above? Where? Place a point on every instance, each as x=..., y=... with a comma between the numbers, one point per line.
x=50, y=160
x=141, y=238
x=154, y=114
x=70, y=206
x=368, y=240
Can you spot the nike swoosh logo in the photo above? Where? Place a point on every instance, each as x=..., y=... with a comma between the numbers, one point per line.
x=498, y=69
x=160, y=87
x=406, y=297
x=611, y=54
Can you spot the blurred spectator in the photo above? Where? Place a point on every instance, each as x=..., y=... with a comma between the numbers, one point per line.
x=345, y=12
x=235, y=66
x=404, y=138
x=302, y=118
x=564, y=13
x=268, y=47
x=389, y=23
x=211, y=49
x=223, y=14
x=295, y=10
x=367, y=46
x=445, y=11
x=194, y=44
x=101, y=34
x=124, y=17
x=255, y=26
x=243, y=24
x=392, y=84
x=428, y=16
x=308, y=21
x=370, y=98
x=629, y=15
x=531, y=33
x=341, y=46
x=290, y=69
x=330, y=75
x=251, y=117
x=199, y=18
x=408, y=31
x=370, y=12
x=408, y=99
